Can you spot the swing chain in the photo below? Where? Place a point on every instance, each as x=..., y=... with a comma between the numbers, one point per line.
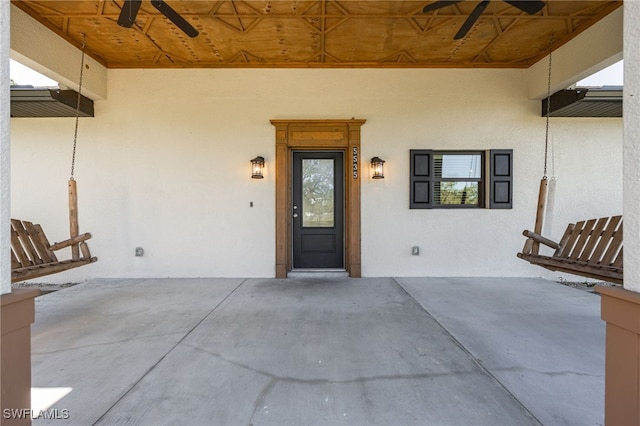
x=548, y=112
x=75, y=135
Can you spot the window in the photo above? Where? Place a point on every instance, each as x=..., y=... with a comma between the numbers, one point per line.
x=457, y=179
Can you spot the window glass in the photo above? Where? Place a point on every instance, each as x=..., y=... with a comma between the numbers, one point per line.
x=456, y=193
x=317, y=193
x=457, y=165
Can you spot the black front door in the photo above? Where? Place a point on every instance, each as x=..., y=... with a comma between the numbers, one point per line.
x=318, y=210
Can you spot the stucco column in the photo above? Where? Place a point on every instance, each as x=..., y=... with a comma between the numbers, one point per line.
x=621, y=306
x=5, y=52
x=16, y=308
x=631, y=156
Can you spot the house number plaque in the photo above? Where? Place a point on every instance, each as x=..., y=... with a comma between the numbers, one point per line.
x=355, y=162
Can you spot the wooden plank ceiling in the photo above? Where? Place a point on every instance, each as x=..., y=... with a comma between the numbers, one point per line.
x=317, y=33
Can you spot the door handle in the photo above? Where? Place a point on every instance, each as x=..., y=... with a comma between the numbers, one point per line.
x=295, y=215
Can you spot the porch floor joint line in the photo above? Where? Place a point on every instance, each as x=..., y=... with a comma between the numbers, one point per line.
x=466, y=351
x=167, y=353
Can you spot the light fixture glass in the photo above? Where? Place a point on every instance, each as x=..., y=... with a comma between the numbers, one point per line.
x=257, y=166
x=377, y=168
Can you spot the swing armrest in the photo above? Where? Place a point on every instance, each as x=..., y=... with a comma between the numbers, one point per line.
x=540, y=239
x=70, y=242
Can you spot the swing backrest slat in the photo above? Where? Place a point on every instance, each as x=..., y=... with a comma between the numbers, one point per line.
x=594, y=239
x=609, y=243
x=585, y=233
x=29, y=244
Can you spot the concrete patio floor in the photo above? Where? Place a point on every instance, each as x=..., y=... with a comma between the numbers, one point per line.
x=373, y=351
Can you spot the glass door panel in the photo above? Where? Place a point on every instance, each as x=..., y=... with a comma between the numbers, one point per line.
x=318, y=192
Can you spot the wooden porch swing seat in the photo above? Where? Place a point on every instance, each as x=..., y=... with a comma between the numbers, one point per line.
x=32, y=256
x=590, y=248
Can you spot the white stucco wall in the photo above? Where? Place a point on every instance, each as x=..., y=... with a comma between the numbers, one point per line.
x=481, y=110
x=165, y=165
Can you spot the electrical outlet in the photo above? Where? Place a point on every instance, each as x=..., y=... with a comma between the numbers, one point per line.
x=415, y=250
x=139, y=252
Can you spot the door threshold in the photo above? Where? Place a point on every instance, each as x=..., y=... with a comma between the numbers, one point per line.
x=318, y=273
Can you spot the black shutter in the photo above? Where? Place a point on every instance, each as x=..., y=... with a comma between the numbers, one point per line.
x=421, y=179
x=501, y=179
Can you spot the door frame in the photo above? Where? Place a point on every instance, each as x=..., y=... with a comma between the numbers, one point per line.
x=318, y=135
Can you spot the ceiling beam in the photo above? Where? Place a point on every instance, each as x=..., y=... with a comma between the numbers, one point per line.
x=589, y=52
x=32, y=44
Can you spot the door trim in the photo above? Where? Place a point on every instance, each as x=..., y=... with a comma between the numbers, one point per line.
x=333, y=135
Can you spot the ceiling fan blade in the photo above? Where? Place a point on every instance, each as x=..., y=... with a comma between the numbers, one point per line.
x=530, y=7
x=439, y=5
x=175, y=17
x=473, y=17
x=128, y=13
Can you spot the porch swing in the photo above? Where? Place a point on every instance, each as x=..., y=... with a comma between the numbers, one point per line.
x=589, y=248
x=32, y=256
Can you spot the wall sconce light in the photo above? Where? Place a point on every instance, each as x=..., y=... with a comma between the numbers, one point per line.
x=377, y=168
x=257, y=166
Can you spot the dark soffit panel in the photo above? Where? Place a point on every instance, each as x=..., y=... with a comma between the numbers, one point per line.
x=27, y=101
x=605, y=101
